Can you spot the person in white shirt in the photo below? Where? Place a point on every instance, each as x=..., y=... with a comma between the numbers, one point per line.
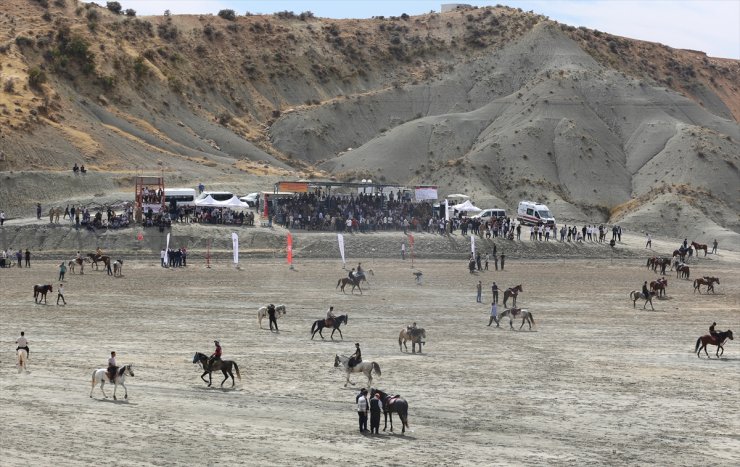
x=112, y=367
x=22, y=343
x=60, y=294
x=161, y=257
x=362, y=408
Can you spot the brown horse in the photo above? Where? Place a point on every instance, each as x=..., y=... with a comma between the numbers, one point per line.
x=680, y=254
x=718, y=340
x=699, y=246
x=512, y=292
x=40, y=291
x=659, y=286
x=415, y=335
x=94, y=258
x=659, y=263
x=343, y=281
x=706, y=280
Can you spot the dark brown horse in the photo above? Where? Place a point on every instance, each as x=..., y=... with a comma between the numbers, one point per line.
x=393, y=404
x=706, y=280
x=680, y=254
x=512, y=292
x=682, y=270
x=223, y=365
x=718, y=340
x=699, y=246
x=40, y=291
x=659, y=286
x=334, y=323
x=346, y=280
x=94, y=258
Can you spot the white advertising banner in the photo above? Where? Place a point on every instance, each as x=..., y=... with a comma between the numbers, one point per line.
x=472, y=244
x=235, y=242
x=423, y=193
x=167, y=251
x=340, y=241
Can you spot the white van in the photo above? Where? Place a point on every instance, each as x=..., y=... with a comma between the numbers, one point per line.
x=183, y=196
x=531, y=213
x=488, y=214
x=217, y=195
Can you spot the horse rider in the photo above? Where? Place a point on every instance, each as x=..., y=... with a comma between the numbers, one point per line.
x=216, y=356
x=411, y=329
x=714, y=333
x=98, y=252
x=685, y=244
x=356, y=357
x=330, y=316
x=360, y=272
x=112, y=367
x=22, y=343
x=79, y=256
x=645, y=291
x=351, y=275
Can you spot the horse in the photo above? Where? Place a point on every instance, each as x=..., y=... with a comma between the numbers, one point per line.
x=699, y=246
x=320, y=324
x=637, y=295
x=78, y=261
x=343, y=281
x=682, y=270
x=362, y=276
x=651, y=262
x=415, y=335
x=40, y=291
x=512, y=292
x=118, y=268
x=22, y=360
x=393, y=404
x=101, y=375
x=362, y=367
x=680, y=254
x=706, y=280
x=223, y=365
x=94, y=258
x=708, y=339
x=659, y=286
x=262, y=312
x=514, y=312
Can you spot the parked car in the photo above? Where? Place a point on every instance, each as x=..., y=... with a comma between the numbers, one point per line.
x=251, y=199
x=488, y=214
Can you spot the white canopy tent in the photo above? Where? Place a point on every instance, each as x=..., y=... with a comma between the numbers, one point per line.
x=467, y=206
x=208, y=201
x=234, y=202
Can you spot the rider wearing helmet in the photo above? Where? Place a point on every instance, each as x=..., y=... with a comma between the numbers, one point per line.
x=356, y=357
x=216, y=356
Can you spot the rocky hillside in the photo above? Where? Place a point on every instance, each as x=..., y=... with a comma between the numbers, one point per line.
x=496, y=102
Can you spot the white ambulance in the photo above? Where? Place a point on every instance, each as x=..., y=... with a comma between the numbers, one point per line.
x=531, y=213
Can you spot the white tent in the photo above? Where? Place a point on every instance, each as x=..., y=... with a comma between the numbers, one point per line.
x=467, y=206
x=208, y=201
x=234, y=202
x=457, y=196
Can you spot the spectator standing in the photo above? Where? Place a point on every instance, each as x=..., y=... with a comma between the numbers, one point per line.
x=485, y=264
x=403, y=251
x=38, y=211
x=478, y=290
x=503, y=257
x=495, y=260
x=376, y=405
x=271, y=314
x=2, y=217
x=362, y=408
x=649, y=242
x=19, y=257
x=60, y=294
x=494, y=315
x=494, y=289
x=28, y=258
x=162, y=254
x=62, y=271
x=714, y=246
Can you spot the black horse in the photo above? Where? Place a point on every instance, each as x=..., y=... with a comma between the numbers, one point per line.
x=223, y=365
x=393, y=404
x=320, y=324
x=40, y=291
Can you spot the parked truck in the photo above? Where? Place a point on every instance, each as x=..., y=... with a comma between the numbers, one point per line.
x=531, y=213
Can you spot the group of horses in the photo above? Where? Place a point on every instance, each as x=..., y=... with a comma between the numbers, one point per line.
x=93, y=258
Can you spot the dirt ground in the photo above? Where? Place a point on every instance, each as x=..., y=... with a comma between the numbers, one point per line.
x=595, y=381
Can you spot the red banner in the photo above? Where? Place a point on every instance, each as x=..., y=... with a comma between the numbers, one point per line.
x=290, y=248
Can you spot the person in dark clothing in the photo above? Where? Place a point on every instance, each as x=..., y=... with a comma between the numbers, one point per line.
x=271, y=314
x=376, y=405
x=503, y=258
x=494, y=289
x=38, y=210
x=713, y=333
x=356, y=357
x=645, y=291
x=28, y=258
x=477, y=261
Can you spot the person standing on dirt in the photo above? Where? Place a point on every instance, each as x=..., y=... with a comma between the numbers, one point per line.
x=478, y=290
x=494, y=315
x=503, y=258
x=649, y=241
x=2, y=219
x=19, y=257
x=714, y=246
x=376, y=406
x=60, y=295
x=62, y=271
x=494, y=289
x=38, y=211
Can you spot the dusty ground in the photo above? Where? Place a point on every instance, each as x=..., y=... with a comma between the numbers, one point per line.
x=595, y=381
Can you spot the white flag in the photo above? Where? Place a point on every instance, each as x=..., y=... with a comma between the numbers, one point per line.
x=340, y=240
x=167, y=251
x=472, y=244
x=235, y=241
x=447, y=210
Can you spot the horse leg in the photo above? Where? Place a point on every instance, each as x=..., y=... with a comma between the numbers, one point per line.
x=226, y=376
x=320, y=334
x=385, y=420
x=340, y=333
x=523, y=319
x=390, y=415
x=125, y=391
x=102, y=383
x=115, y=388
x=704, y=346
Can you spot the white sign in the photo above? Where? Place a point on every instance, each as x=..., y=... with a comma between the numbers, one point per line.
x=235, y=242
x=423, y=193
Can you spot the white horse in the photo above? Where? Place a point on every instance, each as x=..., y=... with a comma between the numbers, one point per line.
x=100, y=376
x=22, y=360
x=262, y=313
x=118, y=268
x=516, y=312
x=362, y=367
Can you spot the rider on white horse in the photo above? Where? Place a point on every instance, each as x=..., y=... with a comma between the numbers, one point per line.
x=112, y=367
x=22, y=343
x=356, y=357
x=645, y=290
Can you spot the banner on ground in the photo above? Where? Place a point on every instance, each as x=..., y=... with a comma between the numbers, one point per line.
x=290, y=249
x=340, y=241
x=235, y=242
x=423, y=193
x=167, y=251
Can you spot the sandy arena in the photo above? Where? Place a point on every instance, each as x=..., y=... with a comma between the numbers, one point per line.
x=595, y=382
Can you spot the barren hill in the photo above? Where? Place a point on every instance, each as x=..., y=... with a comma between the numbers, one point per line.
x=496, y=102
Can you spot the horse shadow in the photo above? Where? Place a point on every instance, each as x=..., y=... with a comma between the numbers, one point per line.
x=110, y=400
x=216, y=388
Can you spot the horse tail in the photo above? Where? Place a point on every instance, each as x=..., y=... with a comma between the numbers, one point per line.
x=338, y=282
x=93, y=378
x=698, y=342
x=376, y=367
x=236, y=367
x=313, y=326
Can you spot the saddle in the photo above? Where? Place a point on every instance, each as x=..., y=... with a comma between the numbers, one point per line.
x=329, y=322
x=515, y=311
